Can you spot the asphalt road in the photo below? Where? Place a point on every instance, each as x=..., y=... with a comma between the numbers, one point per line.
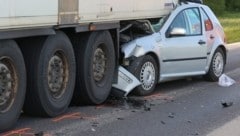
x=188, y=107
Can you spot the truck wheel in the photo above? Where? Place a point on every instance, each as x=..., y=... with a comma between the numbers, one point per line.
x=51, y=73
x=95, y=67
x=217, y=66
x=12, y=83
x=146, y=70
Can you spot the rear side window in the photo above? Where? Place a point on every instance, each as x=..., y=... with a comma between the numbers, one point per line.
x=207, y=22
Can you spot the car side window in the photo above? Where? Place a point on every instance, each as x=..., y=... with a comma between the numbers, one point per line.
x=194, y=20
x=179, y=22
x=207, y=22
x=189, y=20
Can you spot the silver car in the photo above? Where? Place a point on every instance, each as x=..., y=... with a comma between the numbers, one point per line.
x=189, y=41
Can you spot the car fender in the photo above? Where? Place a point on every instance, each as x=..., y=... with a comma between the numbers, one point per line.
x=218, y=43
x=141, y=47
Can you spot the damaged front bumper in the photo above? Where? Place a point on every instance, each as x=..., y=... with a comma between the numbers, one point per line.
x=126, y=83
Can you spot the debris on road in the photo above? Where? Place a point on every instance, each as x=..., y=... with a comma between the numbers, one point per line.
x=41, y=134
x=225, y=81
x=195, y=134
x=93, y=129
x=147, y=106
x=171, y=115
x=163, y=122
x=120, y=118
x=95, y=124
x=226, y=104
x=133, y=103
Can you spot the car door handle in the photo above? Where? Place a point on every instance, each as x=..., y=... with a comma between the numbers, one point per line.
x=201, y=42
x=212, y=37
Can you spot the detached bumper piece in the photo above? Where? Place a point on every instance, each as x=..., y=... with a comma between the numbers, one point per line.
x=126, y=83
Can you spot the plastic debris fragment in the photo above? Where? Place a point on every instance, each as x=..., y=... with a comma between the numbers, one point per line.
x=225, y=81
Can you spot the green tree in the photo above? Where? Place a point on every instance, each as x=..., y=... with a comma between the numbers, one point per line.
x=218, y=6
x=233, y=5
x=229, y=4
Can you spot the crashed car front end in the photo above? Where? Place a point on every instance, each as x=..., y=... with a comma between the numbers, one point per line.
x=140, y=47
x=173, y=47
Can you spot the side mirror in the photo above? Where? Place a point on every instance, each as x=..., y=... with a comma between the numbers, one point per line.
x=175, y=32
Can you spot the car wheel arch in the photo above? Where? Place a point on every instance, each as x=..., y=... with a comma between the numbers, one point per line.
x=224, y=51
x=157, y=59
x=223, y=48
x=155, y=56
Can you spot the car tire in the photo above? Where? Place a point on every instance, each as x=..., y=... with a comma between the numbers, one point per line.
x=146, y=70
x=51, y=74
x=217, y=66
x=95, y=56
x=12, y=68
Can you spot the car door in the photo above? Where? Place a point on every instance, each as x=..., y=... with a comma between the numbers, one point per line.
x=209, y=32
x=183, y=52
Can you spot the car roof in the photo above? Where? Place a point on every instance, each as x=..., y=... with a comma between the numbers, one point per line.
x=189, y=4
x=186, y=5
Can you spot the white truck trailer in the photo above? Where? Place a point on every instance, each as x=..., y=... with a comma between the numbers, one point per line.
x=53, y=52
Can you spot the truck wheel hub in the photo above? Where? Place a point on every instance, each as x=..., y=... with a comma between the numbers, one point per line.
x=7, y=85
x=99, y=64
x=57, y=75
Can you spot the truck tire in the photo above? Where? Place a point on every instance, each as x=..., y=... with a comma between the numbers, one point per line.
x=146, y=70
x=51, y=74
x=217, y=66
x=12, y=82
x=95, y=67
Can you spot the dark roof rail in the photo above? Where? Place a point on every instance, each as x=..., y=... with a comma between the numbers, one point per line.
x=195, y=1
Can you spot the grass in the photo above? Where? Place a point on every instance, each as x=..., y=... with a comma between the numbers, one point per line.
x=231, y=24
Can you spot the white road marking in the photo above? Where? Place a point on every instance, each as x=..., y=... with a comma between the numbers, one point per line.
x=229, y=129
x=233, y=46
